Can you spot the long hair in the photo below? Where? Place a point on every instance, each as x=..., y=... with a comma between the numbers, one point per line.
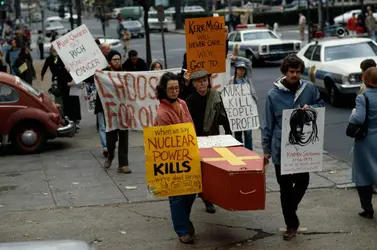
x=162, y=85
x=22, y=56
x=299, y=118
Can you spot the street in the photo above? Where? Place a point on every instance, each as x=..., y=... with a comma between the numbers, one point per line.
x=65, y=193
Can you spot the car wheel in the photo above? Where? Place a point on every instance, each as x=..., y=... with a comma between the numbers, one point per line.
x=333, y=92
x=29, y=137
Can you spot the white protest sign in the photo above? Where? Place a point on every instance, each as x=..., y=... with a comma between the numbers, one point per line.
x=80, y=53
x=240, y=107
x=302, y=140
x=129, y=99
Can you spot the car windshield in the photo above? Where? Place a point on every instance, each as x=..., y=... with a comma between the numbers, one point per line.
x=28, y=87
x=131, y=24
x=349, y=51
x=258, y=36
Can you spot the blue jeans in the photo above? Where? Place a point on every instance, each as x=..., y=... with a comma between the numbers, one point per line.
x=102, y=129
x=180, y=208
x=248, y=138
x=373, y=35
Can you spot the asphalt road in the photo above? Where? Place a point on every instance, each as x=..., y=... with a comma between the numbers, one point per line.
x=336, y=142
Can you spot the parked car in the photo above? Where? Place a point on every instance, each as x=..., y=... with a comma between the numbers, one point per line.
x=333, y=65
x=115, y=44
x=29, y=117
x=154, y=23
x=261, y=45
x=57, y=27
x=134, y=27
x=47, y=245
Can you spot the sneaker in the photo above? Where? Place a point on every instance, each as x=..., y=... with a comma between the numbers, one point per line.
x=124, y=170
x=289, y=234
x=105, y=153
x=187, y=239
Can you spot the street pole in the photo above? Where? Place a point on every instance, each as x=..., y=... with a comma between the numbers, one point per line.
x=178, y=15
x=79, y=12
x=71, y=14
x=161, y=19
x=163, y=44
x=308, y=19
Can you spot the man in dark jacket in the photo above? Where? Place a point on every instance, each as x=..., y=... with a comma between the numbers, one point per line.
x=134, y=63
x=207, y=112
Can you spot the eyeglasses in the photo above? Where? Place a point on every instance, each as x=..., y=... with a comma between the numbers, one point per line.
x=172, y=89
x=115, y=60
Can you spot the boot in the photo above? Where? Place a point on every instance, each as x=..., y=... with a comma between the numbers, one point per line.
x=124, y=170
x=210, y=208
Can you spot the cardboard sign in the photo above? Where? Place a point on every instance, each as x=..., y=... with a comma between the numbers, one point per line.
x=240, y=107
x=206, y=44
x=80, y=53
x=172, y=160
x=302, y=140
x=129, y=98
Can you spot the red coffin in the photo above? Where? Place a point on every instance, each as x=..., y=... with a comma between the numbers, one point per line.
x=233, y=178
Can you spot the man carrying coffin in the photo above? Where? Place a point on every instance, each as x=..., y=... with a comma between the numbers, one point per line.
x=288, y=92
x=207, y=111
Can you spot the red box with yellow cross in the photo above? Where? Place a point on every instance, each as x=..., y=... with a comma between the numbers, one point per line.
x=233, y=178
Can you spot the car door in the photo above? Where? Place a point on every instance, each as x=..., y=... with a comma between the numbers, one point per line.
x=237, y=43
x=307, y=58
x=9, y=97
x=231, y=41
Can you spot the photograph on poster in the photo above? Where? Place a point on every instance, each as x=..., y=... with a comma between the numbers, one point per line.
x=302, y=140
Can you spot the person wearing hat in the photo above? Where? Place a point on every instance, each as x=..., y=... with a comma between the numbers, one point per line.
x=114, y=58
x=364, y=160
x=242, y=75
x=207, y=112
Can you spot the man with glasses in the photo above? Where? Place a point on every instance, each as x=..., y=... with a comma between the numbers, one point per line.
x=207, y=112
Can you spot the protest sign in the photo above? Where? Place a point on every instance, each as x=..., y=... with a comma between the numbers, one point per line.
x=129, y=99
x=240, y=107
x=206, y=44
x=172, y=160
x=80, y=53
x=302, y=140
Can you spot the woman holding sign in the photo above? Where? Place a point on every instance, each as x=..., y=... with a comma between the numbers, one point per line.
x=173, y=110
x=242, y=75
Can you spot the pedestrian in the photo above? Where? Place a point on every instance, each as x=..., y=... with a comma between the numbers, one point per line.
x=24, y=66
x=40, y=42
x=126, y=38
x=105, y=48
x=156, y=65
x=364, y=162
x=12, y=55
x=71, y=104
x=352, y=24
x=173, y=110
x=288, y=92
x=370, y=23
x=301, y=26
x=364, y=65
x=3, y=64
x=242, y=75
x=134, y=63
x=114, y=59
x=207, y=111
x=52, y=63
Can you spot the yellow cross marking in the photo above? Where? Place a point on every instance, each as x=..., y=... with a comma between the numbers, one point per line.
x=227, y=155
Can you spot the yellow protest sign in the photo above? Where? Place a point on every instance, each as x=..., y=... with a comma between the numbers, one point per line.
x=172, y=160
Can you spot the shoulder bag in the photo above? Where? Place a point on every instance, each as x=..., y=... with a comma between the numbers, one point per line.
x=359, y=131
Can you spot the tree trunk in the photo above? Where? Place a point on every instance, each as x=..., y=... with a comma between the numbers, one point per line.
x=147, y=35
x=178, y=15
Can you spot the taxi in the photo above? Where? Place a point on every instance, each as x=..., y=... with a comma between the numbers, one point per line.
x=260, y=45
x=333, y=64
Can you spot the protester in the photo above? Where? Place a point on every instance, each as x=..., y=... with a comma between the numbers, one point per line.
x=287, y=92
x=12, y=55
x=3, y=64
x=207, y=111
x=364, y=162
x=52, y=63
x=40, y=43
x=24, y=66
x=173, y=110
x=242, y=75
x=156, y=65
x=134, y=63
x=105, y=48
x=71, y=104
x=114, y=59
x=364, y=65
